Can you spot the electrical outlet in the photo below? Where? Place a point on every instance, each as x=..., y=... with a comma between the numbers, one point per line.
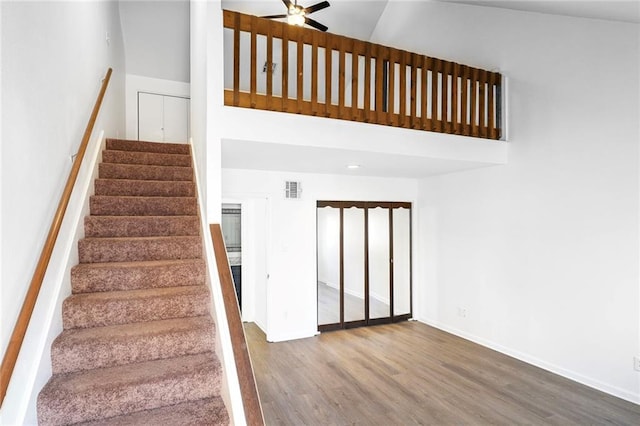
x=636, y=363
x=462, y=312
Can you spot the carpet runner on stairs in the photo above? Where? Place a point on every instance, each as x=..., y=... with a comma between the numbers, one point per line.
x=138, y=340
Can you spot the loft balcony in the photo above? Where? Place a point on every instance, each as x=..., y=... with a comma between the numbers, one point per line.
x=274, y=66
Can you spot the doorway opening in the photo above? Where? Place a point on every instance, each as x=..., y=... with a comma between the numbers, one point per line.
x=364, y=263
x=232, y=232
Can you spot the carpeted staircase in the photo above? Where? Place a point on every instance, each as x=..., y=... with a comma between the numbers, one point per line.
x=138, y=339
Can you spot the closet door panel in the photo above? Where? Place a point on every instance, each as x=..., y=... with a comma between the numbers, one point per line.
x=353, y=263
x=150, y=117
x=379, y=268
x=401, y=261
x=176, y=119
x=328, y=230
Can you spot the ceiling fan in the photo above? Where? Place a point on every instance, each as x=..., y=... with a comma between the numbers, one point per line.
x=297, y=14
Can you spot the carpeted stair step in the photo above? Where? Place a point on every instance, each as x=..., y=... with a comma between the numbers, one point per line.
x=141, y=226
x=148, y=158
x=117, y=391
x=125, y=249
x=208, y=411
x=145, y=188
x=120, y=307
x=138, y=345
x=100, y=347
x=119, y=276
x=141, y=172
x=108, y=205
x=142, y=146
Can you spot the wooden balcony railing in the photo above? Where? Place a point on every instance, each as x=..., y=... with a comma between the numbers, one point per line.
x=279, y=67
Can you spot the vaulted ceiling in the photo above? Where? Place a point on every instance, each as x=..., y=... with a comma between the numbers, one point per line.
x=358, y=19
x=156, y=33
x=351, y=18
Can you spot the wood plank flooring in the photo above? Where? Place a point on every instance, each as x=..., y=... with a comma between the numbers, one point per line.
x=410, y=373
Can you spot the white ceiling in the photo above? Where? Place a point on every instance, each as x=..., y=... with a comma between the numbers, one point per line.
x=351, y=18
x=156, y=33
x=613, y=10
x=241, y=154
x=358, y=19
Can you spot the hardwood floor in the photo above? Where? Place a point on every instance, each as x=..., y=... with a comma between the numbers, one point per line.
x=410, y=373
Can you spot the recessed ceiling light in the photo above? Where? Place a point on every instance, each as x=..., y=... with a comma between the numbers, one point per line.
x=353, y=166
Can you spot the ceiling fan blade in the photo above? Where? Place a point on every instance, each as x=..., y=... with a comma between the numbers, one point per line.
x=287, y=3
x=274, y=16
x=316, y=7
x=315, y=24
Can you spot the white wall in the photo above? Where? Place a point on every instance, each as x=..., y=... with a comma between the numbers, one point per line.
x=543, y=252
x=157, y=35
x=207, y=100
x=291, y=246
x=50, y=80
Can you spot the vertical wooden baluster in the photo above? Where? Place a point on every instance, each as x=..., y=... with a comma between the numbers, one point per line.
x=254, y=65
x=380, y=113
x=474, y=102
x=314, y=73
x=424, y=122
x=499, y=105
x=492, y=108
x=434, y=94
x=300, y=76
x=391, y=97
x=403, y=89
x=355, y=51
x=455, y=70
x=341, y=77
x=464, y=100
x=367, y=82
x=481, y=103
x=236, y=61
x=445, y=96
x=414, y=91
x=327, y=74
x=285, y=67
x=269, y=74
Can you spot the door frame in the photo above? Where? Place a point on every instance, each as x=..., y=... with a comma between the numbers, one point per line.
x=366, y=205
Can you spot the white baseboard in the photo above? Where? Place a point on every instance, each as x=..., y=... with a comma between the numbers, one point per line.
x=569, y=374
x=274, y=338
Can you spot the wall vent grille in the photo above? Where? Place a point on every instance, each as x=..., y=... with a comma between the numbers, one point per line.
x=292, y=190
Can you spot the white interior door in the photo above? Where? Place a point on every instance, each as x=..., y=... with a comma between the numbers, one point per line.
x=163, y=118
x=150, y=117
x=176, y=119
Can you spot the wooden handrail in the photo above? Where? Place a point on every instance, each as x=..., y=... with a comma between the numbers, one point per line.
x=387, y=86
x=17, y=337
x=248, y=388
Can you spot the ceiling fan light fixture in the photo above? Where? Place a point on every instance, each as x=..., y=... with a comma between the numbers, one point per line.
x=295, y=16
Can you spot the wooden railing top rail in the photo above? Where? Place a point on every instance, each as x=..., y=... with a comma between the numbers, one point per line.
x=248, y=388
x=398, y=88
x=17, y=337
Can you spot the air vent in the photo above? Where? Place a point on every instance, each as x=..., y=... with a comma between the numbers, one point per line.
x=292, y=190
